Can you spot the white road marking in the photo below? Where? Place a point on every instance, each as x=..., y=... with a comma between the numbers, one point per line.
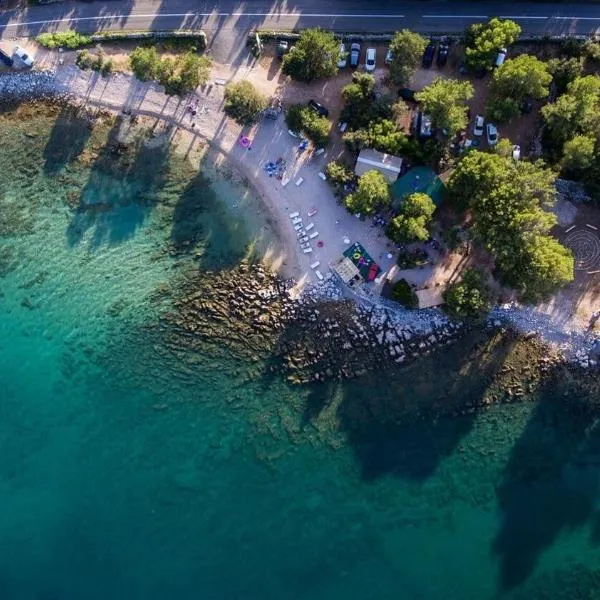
x=523, y=17
x=577, y=18
x=316, y=15
x=454, y=17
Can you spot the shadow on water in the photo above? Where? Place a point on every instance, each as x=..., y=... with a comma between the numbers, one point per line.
x=121, y=190
x=202, y=224
x=405, y=422
x=551, y=482
x=69, y=136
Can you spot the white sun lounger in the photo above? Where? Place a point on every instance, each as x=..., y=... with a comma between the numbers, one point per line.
x=301, y=232
x=319, y=274
x=294, y=215
x=297, y=220
x=313, y=235
x=307, y=250
x=285, y=181
x=323, y=176
x=315, y=264
x=299, y=180
x=312, y=212
x=310, y=226
x=302, y=240
x=297, y=227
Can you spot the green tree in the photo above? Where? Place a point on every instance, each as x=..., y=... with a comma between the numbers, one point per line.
x=302, y=119
x=411, y=224
x=403, y=294
x=338, y=174
x=243, y=102
x=407, y=48
x=516, y=80
x=508, y=201
x=484, y=40
x=564, y=71
x=360, y=105
x=578, y=154
x=145, y=63
x=444, y=101
x=372, y=194
x=314, y=56
x=469, y=297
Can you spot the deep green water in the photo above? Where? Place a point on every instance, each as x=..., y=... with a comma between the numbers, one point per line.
x=128, y=472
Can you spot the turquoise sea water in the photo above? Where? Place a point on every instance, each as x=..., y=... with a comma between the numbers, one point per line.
x=127, y=471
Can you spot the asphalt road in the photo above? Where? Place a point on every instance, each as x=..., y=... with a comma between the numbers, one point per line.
x=228, y=21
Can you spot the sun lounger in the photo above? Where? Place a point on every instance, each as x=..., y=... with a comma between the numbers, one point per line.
x=312, y=212
x=323, y=176
x=294, y=215
x=309, y=226
x=297, y=227
x=299, y=180
x=305, y=245
x=285, y=181
x=302, y=240
x=313, y=235
x=301, y=232
x=315, y=264
x=307, y=250
x=297, y=220
x=319, y=274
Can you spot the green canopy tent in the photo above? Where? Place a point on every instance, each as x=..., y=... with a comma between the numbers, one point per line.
x=418, y=179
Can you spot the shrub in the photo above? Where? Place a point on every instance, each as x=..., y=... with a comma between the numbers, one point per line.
x=64, y=39
x=243, y=102
x=339, y=175
x=85, y=60
x=145, y=63
x=411, y=225
x=403, y=294
x=372, y=194
x=467, y=298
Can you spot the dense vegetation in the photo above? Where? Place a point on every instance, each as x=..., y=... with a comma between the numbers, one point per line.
x=468, y=297
x=407, y=49
x=484, y=40
x=507, y=201
x=179, y=75
x=302, y=119
x=314, y=56
x=64, y=39
x=97, y=62
x=243, y=102
x=412, y=222
x=403, y=294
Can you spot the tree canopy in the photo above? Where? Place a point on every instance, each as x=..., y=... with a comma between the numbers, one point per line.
x=302, y=119
x=372, y=194
x=407, y=49
x=468, y=297
x=484, y=40
x=179, y=75
x=314, y=56
x=444, y=101
x=411, y=225
x=512, y=83
x=361, y=107
x=243, y=102
x=507, y=201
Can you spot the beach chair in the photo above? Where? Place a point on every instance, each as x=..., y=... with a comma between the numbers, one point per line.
x=297, y=220
x=294, y=215
x=312, y=212
x=299, y=180
x=319, y=274
x=297, y=227
x=307, y=250
x=313, y=235
x=315, y=264
x=309, y=226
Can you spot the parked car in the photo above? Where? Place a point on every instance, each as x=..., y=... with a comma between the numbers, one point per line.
x=501, y=57
x=516, y=152
x=442, y=56
x=22, y=56
x=424, y=125
x=389, y=57
x=282, y=48
x=354, y=54
x=370, y=63
x=343, y=61
x=478, y=128
x=527, y=106
x=407, y=94
x=492, y=134
x=428, y=55
x=318, y=108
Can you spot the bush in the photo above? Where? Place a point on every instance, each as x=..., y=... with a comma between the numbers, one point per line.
x=85, y=60
x=64, y=39
x=411, y=225
x=564, y=71
x=243, y=102
x=592, y=50
x=314, y=56
x=403, y=294
x=302, y=119
x=145, y=63
x=467, y=298
x=339, y=175
x=372, y=194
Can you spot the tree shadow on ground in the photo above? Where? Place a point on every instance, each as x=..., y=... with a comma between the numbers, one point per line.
x=202, y=223
x=551, y=482
x=69, y=136
x=121, y=190
x=408, y=427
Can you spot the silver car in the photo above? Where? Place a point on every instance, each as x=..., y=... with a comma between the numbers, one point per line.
x=354, y=54
x=343, y=61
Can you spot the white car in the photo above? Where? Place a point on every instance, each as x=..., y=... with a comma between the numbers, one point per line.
x=389, y=57
x=478, y=128
x=22, y=56
x=370, y=63
x=492, y=134
x=343, y=61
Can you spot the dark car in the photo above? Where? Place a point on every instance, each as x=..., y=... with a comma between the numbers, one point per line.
x=354, y=54
x=428, y=55
x=442, y=56
x=318, y=108
x=527, y=106
x=407, y=94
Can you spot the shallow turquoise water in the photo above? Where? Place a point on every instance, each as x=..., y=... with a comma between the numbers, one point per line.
x=126, y=472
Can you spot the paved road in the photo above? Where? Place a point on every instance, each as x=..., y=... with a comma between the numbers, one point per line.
x=229, y=21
